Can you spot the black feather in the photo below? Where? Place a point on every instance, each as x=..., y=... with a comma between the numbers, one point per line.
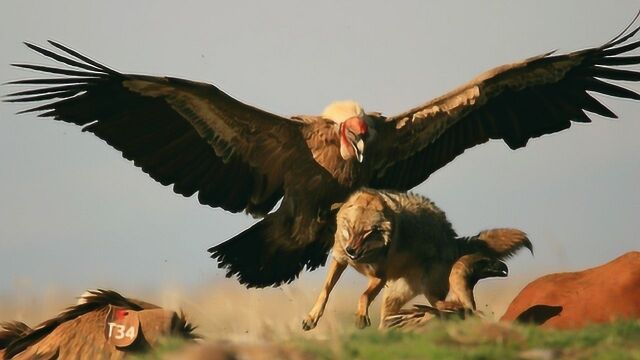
x=622, y=60
x=66, y=80
x=610, y=89
x=61, y=58
x=83, y=58
x=53, y=70
x=594, y=106
x=621, y=49
x=47, y=96
x=53, y=89
x=614, y=74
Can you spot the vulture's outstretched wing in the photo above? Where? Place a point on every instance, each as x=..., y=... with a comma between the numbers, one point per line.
x=188, y=134
x=515, y=103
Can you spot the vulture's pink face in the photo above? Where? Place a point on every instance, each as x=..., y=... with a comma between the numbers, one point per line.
x=354, y=133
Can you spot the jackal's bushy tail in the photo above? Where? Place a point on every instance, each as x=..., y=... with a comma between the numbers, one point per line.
x=498, y=243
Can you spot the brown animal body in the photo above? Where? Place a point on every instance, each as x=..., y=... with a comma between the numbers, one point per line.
x=574, y=299
x=404, y=242
x=84, y=331
x=240, y=158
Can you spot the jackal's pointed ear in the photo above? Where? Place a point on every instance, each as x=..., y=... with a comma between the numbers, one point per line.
x=336, y=206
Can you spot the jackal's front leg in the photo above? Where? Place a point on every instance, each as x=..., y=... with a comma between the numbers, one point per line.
x=373, y=289
x=335, y=270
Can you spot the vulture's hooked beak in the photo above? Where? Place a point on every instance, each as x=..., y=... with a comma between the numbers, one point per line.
x=358, y=148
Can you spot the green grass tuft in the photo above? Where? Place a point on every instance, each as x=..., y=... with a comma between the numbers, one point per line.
x=477, y=340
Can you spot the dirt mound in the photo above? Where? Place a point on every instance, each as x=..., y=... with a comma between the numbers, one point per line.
x=574, y=299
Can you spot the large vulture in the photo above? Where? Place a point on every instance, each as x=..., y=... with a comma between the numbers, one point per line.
x=238, y=157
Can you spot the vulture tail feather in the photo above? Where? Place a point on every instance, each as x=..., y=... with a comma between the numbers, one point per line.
x=259, y=259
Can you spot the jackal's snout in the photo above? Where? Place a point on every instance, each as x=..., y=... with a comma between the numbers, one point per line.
x=352, y=252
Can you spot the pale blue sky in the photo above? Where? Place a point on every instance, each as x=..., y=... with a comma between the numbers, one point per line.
x=74, y=214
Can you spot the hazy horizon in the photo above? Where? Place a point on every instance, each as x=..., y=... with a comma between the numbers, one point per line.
x=74, y=214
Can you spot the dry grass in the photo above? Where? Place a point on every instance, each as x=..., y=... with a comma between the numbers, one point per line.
x=226, y=310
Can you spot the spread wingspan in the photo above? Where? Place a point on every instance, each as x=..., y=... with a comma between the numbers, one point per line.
x=514, y=103
x=182, y=133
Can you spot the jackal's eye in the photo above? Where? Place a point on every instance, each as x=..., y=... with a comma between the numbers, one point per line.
x=373, y=234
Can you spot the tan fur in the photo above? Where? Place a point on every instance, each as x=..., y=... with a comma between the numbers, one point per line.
x=404, y=241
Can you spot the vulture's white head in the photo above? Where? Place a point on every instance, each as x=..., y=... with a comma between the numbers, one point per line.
x=355, y=127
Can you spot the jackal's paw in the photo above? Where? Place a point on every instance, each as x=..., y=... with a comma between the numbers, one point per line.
x=362, y=321
x=450, y=306
x=309, y=323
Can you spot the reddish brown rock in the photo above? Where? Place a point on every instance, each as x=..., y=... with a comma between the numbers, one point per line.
x=572, y=300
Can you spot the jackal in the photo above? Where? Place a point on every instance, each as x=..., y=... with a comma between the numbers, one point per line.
x=404, y=241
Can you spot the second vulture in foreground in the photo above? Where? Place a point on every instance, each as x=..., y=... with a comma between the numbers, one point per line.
x=200, y=140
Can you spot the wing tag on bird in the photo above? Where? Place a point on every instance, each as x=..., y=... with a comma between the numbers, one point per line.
x=121, y=326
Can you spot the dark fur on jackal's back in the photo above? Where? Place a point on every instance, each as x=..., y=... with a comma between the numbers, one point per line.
x=18, y=337
x=238, y=157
